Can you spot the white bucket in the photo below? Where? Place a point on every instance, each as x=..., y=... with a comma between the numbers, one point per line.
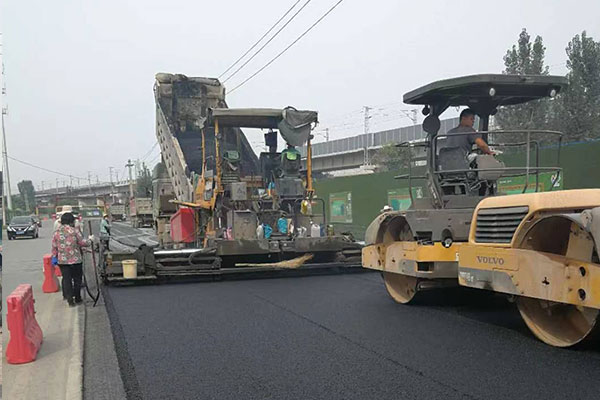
x=129, y=269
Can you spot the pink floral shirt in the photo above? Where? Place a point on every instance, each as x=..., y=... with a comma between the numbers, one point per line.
x=66, y=245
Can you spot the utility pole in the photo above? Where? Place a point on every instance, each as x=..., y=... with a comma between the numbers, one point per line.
x=4, y=109
x=110, y=170
x=411, y=114
x=368, y=138
x=3, y=200
x=90, y=180
x=327, y=134
x=5, y=158
x=56, y=185
x=137, y=169
x=129, y=165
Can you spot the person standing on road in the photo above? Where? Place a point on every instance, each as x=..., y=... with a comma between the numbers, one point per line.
x=58, y=222
x=105, y=232
x=67, y=242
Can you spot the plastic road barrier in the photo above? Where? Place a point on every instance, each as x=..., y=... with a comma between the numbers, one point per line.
x=25, y=334
x=50, y=284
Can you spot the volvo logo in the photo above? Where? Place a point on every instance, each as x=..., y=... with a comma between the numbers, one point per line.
x=490, y=260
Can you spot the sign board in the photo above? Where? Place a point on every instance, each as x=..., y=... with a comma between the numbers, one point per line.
x=239, y=191
x=516, y=184
x=340, y=207
x=399, y=199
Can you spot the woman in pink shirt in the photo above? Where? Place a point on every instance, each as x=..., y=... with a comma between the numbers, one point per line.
x=66, y=252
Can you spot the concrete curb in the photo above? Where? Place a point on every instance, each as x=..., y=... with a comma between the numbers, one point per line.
x=75, y=375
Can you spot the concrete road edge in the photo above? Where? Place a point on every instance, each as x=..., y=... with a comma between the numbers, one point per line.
x=75, y=374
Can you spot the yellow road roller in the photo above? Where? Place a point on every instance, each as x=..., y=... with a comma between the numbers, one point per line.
x=539, y=246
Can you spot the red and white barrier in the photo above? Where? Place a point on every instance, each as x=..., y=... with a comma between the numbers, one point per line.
x=25, y=334
x=50, y=284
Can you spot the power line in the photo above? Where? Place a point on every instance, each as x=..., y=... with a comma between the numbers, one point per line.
x=288, y=47
x=268, y=41
x=261, y=38
x=154, y=159
x=149, y=151
x=44, y=169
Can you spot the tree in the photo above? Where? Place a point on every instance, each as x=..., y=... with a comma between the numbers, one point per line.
x=579, y=103
x=144, y=182
x=391, y=157
x=525, y=58
x=27, y=192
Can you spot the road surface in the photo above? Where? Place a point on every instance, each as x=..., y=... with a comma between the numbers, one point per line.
x=334, y=337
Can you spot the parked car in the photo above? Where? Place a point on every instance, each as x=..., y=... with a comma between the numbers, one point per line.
x=21, y=227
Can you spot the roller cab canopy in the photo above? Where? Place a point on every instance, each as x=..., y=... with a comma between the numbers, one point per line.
x=293, y=125
x=483, y=93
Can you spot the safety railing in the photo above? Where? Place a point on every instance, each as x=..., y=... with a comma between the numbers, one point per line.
x=531, y=146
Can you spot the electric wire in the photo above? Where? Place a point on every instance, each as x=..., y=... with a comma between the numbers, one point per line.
x=288, y=47
x=43, y=169
x=154, y=159
x=268, y=41
x=147, y=154
x=260, y=40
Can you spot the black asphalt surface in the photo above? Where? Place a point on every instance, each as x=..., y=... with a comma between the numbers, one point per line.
x=101, y=374
x=126, y=238
x=334, y=337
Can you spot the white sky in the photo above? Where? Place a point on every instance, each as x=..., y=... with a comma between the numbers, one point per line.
x=79, y=74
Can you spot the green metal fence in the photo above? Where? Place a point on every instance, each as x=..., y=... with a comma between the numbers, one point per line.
x=354, y=201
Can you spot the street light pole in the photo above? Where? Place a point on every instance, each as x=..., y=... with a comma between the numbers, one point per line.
x=5, y=158
x=4, y=152
x=368, y=143
x=129, y=165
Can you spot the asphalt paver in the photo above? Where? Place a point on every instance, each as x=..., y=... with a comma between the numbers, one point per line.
x=334, y=337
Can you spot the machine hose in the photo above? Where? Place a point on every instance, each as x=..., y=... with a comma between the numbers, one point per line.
x=87, y=288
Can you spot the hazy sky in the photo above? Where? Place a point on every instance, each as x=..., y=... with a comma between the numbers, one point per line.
x=79, y=74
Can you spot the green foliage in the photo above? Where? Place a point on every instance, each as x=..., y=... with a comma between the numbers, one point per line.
x=526, y=58
x=144, y=182
x=391, y=157
x=579, y=104
x=18, y=206
x=576, y=110
x=27, y=195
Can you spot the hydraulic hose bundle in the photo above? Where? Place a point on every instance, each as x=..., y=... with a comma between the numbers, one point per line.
x=87, y=288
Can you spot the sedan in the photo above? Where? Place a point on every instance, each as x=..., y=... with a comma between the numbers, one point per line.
x=22, y=227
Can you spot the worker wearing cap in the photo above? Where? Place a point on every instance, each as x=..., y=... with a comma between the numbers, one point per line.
x=105, y=231
x=57, y=222
x=386, y=208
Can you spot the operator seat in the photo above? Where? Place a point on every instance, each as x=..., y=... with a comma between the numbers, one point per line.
x=454, y=183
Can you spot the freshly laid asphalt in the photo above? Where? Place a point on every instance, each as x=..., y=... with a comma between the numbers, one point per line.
x=334, y=337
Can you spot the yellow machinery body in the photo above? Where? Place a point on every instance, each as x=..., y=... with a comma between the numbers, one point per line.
x=547, y=260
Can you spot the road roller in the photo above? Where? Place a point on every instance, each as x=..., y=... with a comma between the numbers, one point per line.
x=534, y=243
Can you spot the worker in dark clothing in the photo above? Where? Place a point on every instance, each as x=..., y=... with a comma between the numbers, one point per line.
x=105, y=232
x=466, y=142
x=291, y=161
x=67, y=242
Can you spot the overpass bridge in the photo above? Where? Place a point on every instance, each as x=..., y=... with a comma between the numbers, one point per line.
x=358, y=151
x=88, y=194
